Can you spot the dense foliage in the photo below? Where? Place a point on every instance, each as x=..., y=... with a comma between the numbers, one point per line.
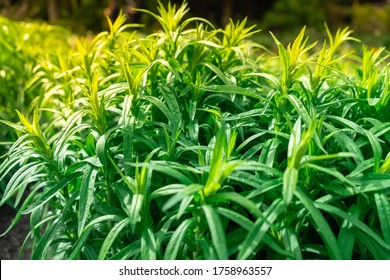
x=24, y=46
x=196, y=143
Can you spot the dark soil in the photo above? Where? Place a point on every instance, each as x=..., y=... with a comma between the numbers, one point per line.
x=11, y=243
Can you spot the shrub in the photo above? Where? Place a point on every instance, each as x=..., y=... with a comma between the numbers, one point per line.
x=195, y=143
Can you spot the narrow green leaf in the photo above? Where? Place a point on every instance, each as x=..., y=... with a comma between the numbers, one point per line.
x=177, y=239
x=51, y=192
x=14, y=125
x=148, y=244
x=166, y=190
x=219, y=73
x=383, y=208
x=169, y=168
x=260, y=228
x=291, y=242
x=322, y=226
x=188, y=191
x=377, y=251
x=130, y=184
x=217, y=232
x=184, y=205
x=272, y=78
x=80, y=243
x=207, y=249
x=101, y=149
x=239, y=199
x=128, y=132
x=346, y=237
x=9, y=164
x=308, y=159
x=348, y=123
x=239, y=219
x=135, y=209
x=25, y=122
x=376, y=148
x=86, y=195
x=331, y=171
x=124, y=197
x=290, y=180
x=162, y=107
x=25, y=174
x=128, y=252
x=385, y=167
x=302, y=112
x=295, y=138
x=344, y=141
x=111, y=236
x=42, y=248
x=269, y=152
x=89, y=253
x=257, y=166
x=213, y=181
x=173, y=105
x=228, y=89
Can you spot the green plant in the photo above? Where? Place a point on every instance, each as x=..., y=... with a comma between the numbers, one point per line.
x=21, y=49
x=195, y=143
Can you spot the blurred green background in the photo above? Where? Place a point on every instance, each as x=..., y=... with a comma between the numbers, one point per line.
x=369, y=19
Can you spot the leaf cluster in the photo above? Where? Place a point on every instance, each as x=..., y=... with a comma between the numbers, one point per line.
x=195, y=143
